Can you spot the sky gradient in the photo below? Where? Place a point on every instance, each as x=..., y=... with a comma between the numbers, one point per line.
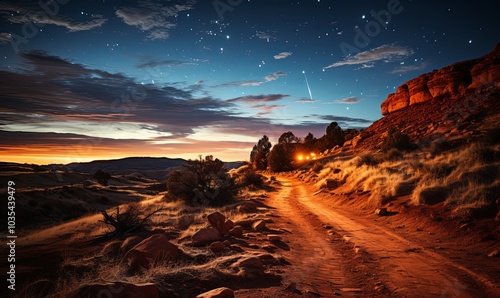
x=86, y=80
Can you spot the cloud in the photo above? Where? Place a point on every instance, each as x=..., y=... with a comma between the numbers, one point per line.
x=306, y=100
x=283, y=55
x=386, y=53
x=155, y=17
x=154, y=63
x=269, y=78
x=265, y=35
x=347, y=100
x=252, y=99
x=25, y=14
x=266, y=109
x=274, y=76
x=347, y=121
x=409, y=68
x=5, y=37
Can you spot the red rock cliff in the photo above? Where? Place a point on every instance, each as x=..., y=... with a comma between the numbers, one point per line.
x=449, y=82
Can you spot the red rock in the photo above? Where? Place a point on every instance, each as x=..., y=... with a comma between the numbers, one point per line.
x=118, y=290
x=237, y=231
x=259, y=225
x=205, y=236
x=218, y=293
x=450, y=82
x=150, y=250
x=227, y=226
x=217, y=220
x=217, y=246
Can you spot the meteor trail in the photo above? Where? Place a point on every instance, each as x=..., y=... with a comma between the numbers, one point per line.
x=308, y=88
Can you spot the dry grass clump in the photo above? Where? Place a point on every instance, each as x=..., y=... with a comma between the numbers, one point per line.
x=463, y=179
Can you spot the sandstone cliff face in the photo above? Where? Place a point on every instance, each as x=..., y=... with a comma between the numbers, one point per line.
x=451, y=82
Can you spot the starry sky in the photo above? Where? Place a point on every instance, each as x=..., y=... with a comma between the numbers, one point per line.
x=104, y=79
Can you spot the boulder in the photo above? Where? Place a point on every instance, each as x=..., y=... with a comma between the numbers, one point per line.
x=153, y=249
x=217, y=246
x=218, y=293
x=128, y=243
x=247, y=207
x=118, y=290
x=237, y=231
x=248, y=267
x=217, y=220
x=381, y=211
x=205, y=236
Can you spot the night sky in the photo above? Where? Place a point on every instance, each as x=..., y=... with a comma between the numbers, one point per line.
x=86, y=80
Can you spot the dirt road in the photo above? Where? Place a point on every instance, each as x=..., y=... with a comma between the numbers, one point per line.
x=334, y=252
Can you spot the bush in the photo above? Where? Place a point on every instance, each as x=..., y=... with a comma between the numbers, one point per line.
x=127, y=221
x=393, y=154
x=102, y=177
x=251, y=177
x=205, y=182
x=398, y=140
x=317, y=167
x=280, y=158
x=367, y=159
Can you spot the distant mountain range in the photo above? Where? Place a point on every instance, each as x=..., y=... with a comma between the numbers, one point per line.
x=157, y=168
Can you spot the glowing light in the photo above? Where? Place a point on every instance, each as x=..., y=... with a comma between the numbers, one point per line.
x=300, y=157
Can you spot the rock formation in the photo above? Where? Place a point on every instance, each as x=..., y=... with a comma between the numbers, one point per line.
x=456, y=80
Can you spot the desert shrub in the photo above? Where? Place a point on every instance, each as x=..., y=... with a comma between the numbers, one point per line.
x=393, y=154
x=102, y=177
x=398, y=140
x=130, y=219
x=367, y=159
x=280, y=158
x=492, y=136
x=481, y=152
x=204, y=182
x=251, y=177
x=317, y=167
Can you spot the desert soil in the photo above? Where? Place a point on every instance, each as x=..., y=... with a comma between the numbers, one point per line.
x=332, y=247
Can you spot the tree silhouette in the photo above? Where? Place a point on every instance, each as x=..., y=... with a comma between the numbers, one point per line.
x=260, y=153
x=102, y=177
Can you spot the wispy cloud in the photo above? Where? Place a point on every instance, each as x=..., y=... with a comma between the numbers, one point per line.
x=409, y=68
x=347, y=100
x=265, y=35
x=385, y=53
x=347, y=121
x=269, y=78
x=155, y=17
x=252, y=99
x=266, y=109
x=5, y=37
x=283, y=55
x=306, y=100
x=25, y=14
x=155, y=62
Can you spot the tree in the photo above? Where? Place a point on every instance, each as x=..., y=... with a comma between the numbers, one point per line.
x=280, y=159
x=288, y=138
x=205, y=181
x=260, y=153
x=102, y=177
x=334, y=135
x=310, y=142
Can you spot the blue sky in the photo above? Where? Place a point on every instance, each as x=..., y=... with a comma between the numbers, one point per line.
x=107, y=79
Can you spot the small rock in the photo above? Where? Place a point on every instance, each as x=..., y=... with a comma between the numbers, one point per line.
x=495, y=253
x=237, y=231
x=217, y=246
x=328, y=227
x=259, y=225
x=274, y=237
x=466, y=226
x=381, y=211
x=150, y=250
x=118, y=290
x=227, y=243
x=218, y=293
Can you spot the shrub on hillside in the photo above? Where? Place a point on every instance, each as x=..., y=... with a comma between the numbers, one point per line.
x=367, y=159
x=280, y=158
x=102, y=177
x=250, y=177
x=204, y=182
x=398, y=140
x=128, y=220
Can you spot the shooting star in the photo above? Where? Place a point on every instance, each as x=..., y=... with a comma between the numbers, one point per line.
x=308, y=88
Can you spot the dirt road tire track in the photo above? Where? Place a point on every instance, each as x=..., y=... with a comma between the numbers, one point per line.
x=408, y=269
